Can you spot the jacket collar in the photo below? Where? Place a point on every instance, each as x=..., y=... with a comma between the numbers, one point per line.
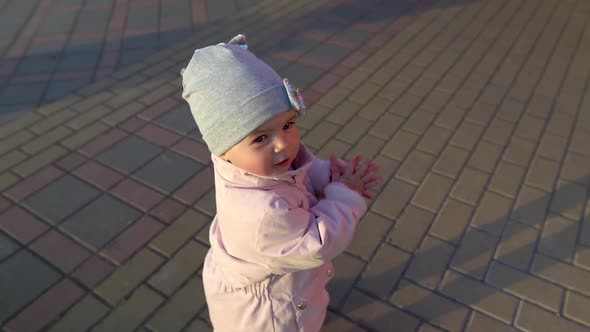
x=238, y=177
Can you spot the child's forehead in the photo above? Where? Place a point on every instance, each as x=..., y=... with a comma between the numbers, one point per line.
x=277, y=120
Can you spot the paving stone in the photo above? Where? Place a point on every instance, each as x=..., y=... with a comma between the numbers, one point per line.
x=517, y=245
x=510, y=110
x=479, y=296
x=432, y=193
x=474, y=253
x=81, y=316
x=60, y=198
x=531, y=205
x=563, y=274
x=119, y=156
x=179, y=268
x=418, y=122
x=100, y=221
x=376, y=109
x=181, y=230
x=39, y=160
x=525, y=286
x=98, y=175
x=60, y=250
x=354, y=129
x=376, y=314
x=93, y=271
x=393, y=199
x=575, y=168
x=467, y=135
x=578, y=142
x=335, y=96
x=430, y=262
x=558, y=238
x=577, y=307
x=83, y=136
x=499, y=132
x=168, y=171
x=560, y=124
x=180, y=308
x=451, y=221
x=519, y=151
x=430, y=306
x=492, y=213
x=46, y=307
x=362, y=94
x=132, y=311
x=368, y=235
x=480, y=322
x=451, y=161
x=434, y=140
x=415, y=167
x=334, y=322
x=15, y=140
x=485, y=157
x=318, y=136
x=7, y=246
x=450, y=117
x=342, y=113
x=542, y=174
x=582, y=257
x=368, y=146
x=384, y=271
x=126, y=278
x=301, y=75
x=400, y=145
x=410, y=229
x=428, y=328
x=347, y=269
x=123, y=113
x=507, y=178
x=132, y=239
x=481, y=113
x=529, y=127
x=88, y=117
x=470, y=186
x=533, y=318
x=34, y=277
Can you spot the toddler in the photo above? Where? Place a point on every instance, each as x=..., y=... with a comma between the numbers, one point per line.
x=282, y=214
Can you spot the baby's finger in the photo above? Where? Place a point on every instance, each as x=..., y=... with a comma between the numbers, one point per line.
x=351, y=167
x=368, y=194
x=373, y=182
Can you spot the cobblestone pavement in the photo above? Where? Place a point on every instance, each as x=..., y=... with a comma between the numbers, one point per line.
x=478, y=111
x=51, y=47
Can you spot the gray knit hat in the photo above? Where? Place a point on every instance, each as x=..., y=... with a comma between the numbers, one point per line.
x=231, y=93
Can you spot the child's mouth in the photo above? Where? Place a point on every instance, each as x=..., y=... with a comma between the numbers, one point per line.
x=283, y=163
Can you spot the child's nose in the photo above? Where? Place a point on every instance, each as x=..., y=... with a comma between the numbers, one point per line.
x=280, y=143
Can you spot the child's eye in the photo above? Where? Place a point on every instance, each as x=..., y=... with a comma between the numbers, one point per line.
x=260, y=139
x=288, y=125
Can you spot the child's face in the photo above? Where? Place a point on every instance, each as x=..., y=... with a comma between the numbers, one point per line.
x=270, y=149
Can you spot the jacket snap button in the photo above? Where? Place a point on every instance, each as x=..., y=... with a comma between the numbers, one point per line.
x=330, y=272
x=301, y=305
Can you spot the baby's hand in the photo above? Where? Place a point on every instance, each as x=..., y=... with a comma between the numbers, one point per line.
x=359, y=174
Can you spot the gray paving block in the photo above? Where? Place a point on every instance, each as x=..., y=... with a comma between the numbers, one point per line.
x=7, y=246
x=296, y=44
x=345, y=11
x=78, y=62
x=60, y=88
x=130, y=56
x=22, y=93
x=145, y=41
x=61, y=198
x=179, y=119
x=22, y=278
x=355, y=35
x=168, y=171
x=89, y=46
x=37, y=64
x=169, y=38
x=330, y=52
x=324, y=27
x=220, y=8
x=99, y=222
x=301, y=75
x=58, y=23
x=130, y=154
x=9, y=112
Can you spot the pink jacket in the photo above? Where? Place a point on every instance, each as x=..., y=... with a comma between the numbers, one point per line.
x=271, y=246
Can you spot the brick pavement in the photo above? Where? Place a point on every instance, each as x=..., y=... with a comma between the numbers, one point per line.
x=478, y=112
x=49, y=48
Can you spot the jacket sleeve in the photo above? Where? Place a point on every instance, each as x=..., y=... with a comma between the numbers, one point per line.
x=319, y=174
x=293, y=239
